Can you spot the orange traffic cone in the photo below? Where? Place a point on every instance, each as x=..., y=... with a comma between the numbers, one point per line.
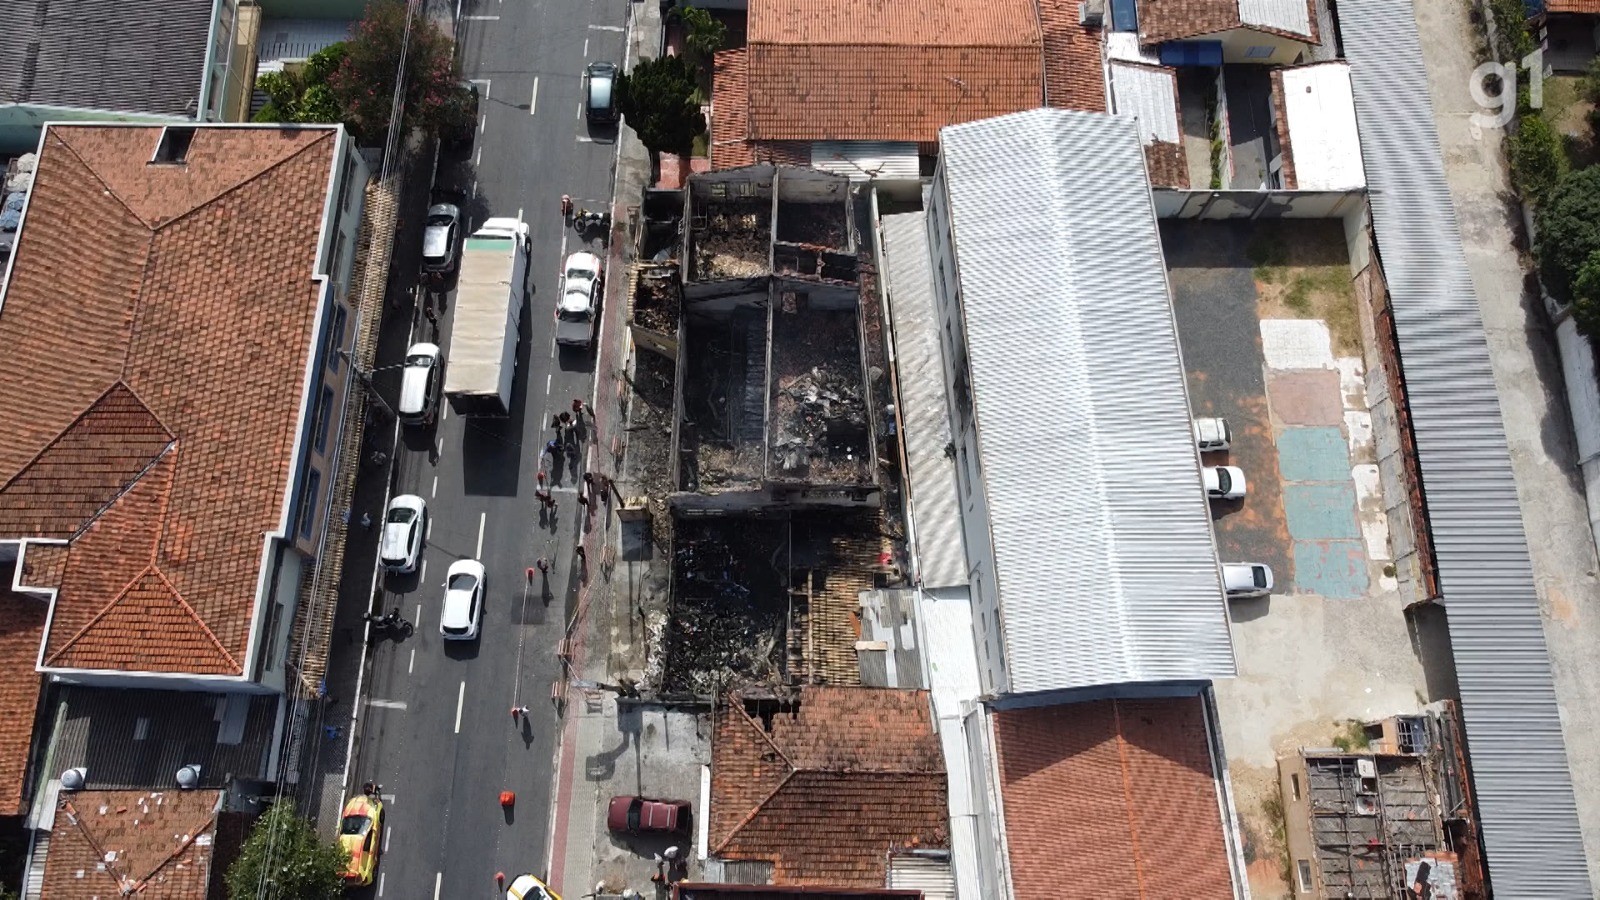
x=507, y=798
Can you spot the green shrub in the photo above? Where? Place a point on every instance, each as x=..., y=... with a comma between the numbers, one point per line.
x=1538, y=159
x=1569, y=230
x=1512, y=39
x=1586, y=296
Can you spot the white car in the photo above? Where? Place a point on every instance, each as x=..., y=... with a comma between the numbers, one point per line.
x=440, y=237
x=463, y=601
x=1246, y=579
x=527, y=887
x=419, y=384
x=575, y=311
x=1223, y=482
x=403, y=528
x=1212, y=434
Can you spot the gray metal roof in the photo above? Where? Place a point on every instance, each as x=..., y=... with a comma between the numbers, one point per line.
x=1533, y=846
x=940, y=559
x=112, y=55
x=1106, y=568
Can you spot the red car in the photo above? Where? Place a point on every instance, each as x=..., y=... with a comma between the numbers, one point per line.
x=641, y=815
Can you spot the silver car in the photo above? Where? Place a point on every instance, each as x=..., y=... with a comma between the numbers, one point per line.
x=441, y=235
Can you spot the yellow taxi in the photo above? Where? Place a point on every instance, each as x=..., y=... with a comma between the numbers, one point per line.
x=527, y=887
x=360, y=832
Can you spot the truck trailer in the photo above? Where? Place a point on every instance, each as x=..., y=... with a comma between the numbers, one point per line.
x=490, y=294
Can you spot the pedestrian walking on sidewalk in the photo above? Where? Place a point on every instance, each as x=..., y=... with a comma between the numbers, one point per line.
x=583, y=557
x=554, y=449
x=547, y=501
x=543, y=565
x=578, y=408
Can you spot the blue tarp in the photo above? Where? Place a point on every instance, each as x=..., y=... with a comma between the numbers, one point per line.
x=1191, y=53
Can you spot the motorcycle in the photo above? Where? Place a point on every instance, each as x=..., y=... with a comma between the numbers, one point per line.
x=390, y=623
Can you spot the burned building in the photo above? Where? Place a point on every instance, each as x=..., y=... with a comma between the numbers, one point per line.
x=774, y=404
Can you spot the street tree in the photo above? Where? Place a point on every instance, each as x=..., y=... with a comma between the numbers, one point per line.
x=364, y=83
x=301, y=93
x=706, y=34
x=1569, y=230
x=657, y=100
x=283, y=859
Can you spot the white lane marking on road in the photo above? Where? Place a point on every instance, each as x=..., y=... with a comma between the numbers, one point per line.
x=428, y=533
x=413, y=663
x=483, y=19
x=380, y=874
x=482, y=518
x=438, y=879
x=478, y=159
x=418, y=619
x=474, y=194
x=461, y=699
x=580, y=111
x=433, y=493
x=605, y=27
x=585, y=48
x=445, y=413
x=563, y=490
x=585, y=140
x=483, y=122
x=388, y=799
x=533, y=104
x=424, y=576
x=386, y=830
x=519, y=215
x=387, y=704
x=547, y=378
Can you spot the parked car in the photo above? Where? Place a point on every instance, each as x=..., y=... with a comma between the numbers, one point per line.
x=600, y=93
x=1212, y=434
x=403, y=528
x=441, y=236
x=527, y=887
x=575, y=311
x=419, y=384
x=1244, y=580
x=1223, y=482
x=640, y=815
x=463, y=601
x=360, y=831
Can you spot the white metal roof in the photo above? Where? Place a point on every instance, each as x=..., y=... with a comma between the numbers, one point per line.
x=1288, y=15
x=1149, y=94
x=940, y=557
x=1106, y=568
x=868, y=160
x=1321, y=114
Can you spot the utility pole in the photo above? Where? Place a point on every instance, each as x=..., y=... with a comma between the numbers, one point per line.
x=365, y=377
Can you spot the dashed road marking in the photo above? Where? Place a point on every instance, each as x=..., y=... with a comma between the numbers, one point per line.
x=387, y=704
x=605, y=28
x=461, y=699
x=483, y=518
x=533, y=104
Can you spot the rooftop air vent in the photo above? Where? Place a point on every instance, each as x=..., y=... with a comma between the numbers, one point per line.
x=74, y=779
x=189, y=777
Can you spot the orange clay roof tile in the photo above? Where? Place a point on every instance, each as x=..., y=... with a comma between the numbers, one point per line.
x=155, y=845
x=137, y=289
x=21, y=625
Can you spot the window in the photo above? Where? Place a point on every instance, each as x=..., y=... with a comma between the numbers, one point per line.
x=336, y=337
x=174, y=146
x=324, y=418
x=1303, y=873
x=1259, y=52
x=308, y=503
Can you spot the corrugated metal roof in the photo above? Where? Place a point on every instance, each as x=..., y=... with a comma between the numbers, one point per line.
x=290, y=39
x=1287, y=15
x=940, y=558
x=1104, y=559
x=1149, y=94
x=106, y=55
x=926, y=873
x=1322, y=127
x=868, y=160
x=1530, y=826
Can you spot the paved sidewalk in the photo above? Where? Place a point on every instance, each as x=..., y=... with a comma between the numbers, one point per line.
x=1528, y=375
x=611, y=747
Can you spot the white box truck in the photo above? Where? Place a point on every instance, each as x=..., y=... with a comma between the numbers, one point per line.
x=490, y=294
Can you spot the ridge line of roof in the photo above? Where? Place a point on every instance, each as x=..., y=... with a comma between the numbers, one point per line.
x=104, y=184
x=1137, y=857
x=152, y=463
x=189, y=838
x=34, y=459
x=750, y=816
x=95, y=619
x=328, y=131
x=76, y=818
x=754, y=811
x=199, y=620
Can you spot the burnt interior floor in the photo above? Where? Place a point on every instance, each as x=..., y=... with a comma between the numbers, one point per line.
x=768, y=602
x=724, y=401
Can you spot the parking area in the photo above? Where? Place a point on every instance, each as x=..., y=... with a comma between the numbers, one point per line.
x=1273, y=343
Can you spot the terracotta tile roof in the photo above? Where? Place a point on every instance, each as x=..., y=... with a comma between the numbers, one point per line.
x=156, y=844
x=888, y=70
x=1280, y=122
x=1168, y=165
x=43, y=565
x=1073, y=74
x=1175, y=20
x=1580, y=7
x=130, y=277
x=862, y=756
x=730, y=101
x=21, y=625
x=1114, y=798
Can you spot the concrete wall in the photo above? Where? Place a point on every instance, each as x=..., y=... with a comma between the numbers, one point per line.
x=313, y=9
x=964, y=434
x=1175, y=204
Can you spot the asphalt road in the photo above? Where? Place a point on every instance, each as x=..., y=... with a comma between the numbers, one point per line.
x=438, y=731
